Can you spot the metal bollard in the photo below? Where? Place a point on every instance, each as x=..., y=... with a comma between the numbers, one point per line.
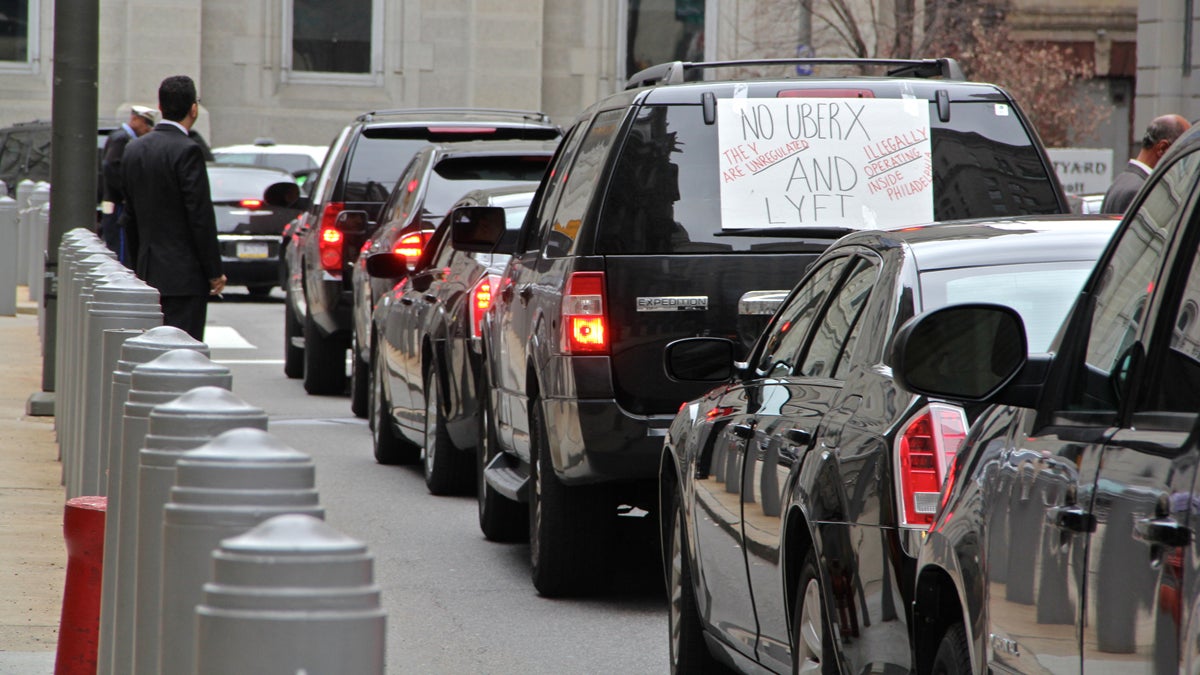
x=70, y=442
x=67, y=344
x=175, y=427
x=72, y=254
x=238, y=480
x=122, y=301
x=34, y=247
x=8, y=254
x=25, y=189
x=135, y=351
x=41, y=235
x=293, y=595
x=162, y=380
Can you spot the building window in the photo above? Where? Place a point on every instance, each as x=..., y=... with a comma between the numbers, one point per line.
x=332, y=40
x=18, y=33
x=658, y=31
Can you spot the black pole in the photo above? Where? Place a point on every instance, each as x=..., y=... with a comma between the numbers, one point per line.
x=72, y=159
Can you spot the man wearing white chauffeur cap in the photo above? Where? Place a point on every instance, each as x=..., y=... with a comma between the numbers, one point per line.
x=141, y=120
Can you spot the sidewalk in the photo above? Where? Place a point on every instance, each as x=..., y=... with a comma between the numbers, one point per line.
x=32, y=552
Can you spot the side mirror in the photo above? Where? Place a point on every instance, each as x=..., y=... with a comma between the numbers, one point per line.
x=701, y=359
x=387, y=265
x=965, y=353
x=477, y=229
x=283, y=194
x=352, y=222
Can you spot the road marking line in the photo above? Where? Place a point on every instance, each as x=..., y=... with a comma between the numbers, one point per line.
x=225, y=337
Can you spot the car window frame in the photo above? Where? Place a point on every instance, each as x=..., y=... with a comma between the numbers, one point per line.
x=844, y=344
x=760, y=370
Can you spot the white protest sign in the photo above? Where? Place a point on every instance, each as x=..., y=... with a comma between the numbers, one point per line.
x=796, y=162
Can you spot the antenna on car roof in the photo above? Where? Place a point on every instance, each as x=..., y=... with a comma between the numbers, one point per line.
x=674, y=72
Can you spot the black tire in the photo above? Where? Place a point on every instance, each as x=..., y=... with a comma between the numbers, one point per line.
x=689, y=653
x=812, y=641
x=390, y=447
x=360, y=383
x=568, y=530
x=500, y=518
x=260, y=291
x=293, y=355
x=447, y=469
x=324, y=361
x=953, y=655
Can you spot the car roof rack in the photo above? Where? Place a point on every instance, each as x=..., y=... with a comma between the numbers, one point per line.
x=674, y=72
x=535, y=115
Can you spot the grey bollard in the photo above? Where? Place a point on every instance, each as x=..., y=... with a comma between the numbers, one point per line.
x=25, y=190
x=121, y=302
x=35, y=243
x=134, y=352
x=8, y=254
x=74, y=384
x=150, y=384
x=238, y=480
x=3, y=189
x=41, y=234
x=293, y=595
x=72, y=254
x=175, y=427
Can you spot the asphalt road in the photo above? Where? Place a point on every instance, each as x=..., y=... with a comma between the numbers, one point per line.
x=456, y=603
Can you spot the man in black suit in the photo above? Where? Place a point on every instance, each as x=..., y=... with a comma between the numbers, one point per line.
x=1161, y=133
x=141, y=121
x=169, y=220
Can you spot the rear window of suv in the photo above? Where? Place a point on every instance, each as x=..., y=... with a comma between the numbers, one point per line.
x=381, y=153
x=665, y=191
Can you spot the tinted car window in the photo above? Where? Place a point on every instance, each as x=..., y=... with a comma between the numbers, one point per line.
x=579, y=183
x=375, y=164
x=1128, y=279
x=665, y=192
x=790, y=327
x=831, y=340
x=1041, y=293
x=228, y=185
x=455, y=176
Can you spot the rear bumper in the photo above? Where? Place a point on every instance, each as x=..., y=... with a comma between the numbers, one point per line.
x=595, y=440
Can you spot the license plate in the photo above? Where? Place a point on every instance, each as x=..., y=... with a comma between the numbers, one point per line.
x=252, y=249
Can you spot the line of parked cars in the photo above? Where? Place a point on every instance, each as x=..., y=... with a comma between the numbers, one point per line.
x=837, y=335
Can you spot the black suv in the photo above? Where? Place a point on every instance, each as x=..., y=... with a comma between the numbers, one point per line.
x=359, y=172
x=664, y=206
x=1065, y=539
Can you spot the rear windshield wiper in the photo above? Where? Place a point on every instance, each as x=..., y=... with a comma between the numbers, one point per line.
x=810, y=232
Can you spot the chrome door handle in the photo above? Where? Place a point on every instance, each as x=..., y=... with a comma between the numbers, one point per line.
x=1163, y=531
x=1071, y=518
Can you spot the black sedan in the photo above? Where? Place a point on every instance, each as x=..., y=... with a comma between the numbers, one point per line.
x=795, y=493
x=252, y=205
x=425, y=346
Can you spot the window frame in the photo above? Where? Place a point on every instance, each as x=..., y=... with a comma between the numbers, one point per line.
x=33, y=31
x=372, y=78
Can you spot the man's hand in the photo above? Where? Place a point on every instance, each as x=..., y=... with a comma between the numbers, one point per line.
x=217, y=285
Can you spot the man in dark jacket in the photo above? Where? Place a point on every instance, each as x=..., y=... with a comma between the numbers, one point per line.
x=141, y=121
x=169, y=218
x=1161, y=133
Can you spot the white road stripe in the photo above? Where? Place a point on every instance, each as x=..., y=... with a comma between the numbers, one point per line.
x=225, y=337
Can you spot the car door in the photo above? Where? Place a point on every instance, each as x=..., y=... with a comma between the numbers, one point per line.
x=808, y=414
x=416, y=302
x=742, y=423
x=1145, y=475
x=1072, y=484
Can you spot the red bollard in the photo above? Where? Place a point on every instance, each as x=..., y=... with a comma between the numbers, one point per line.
x=79, y=628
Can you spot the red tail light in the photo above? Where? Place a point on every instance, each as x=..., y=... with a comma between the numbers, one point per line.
x=330, y=238
x=410, y=246
x=250, y=203
x=481, y=300
x=924, y=452
x=583, y=319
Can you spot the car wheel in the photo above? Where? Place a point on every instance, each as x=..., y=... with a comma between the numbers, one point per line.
x=360, y=382
x=324, y=361
x=293, y=355
x=390, y=447
x=953, y=655
x=568, y=533
x=689, y=653
x=446, y=468
x=812, y=643
x=500, y=518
